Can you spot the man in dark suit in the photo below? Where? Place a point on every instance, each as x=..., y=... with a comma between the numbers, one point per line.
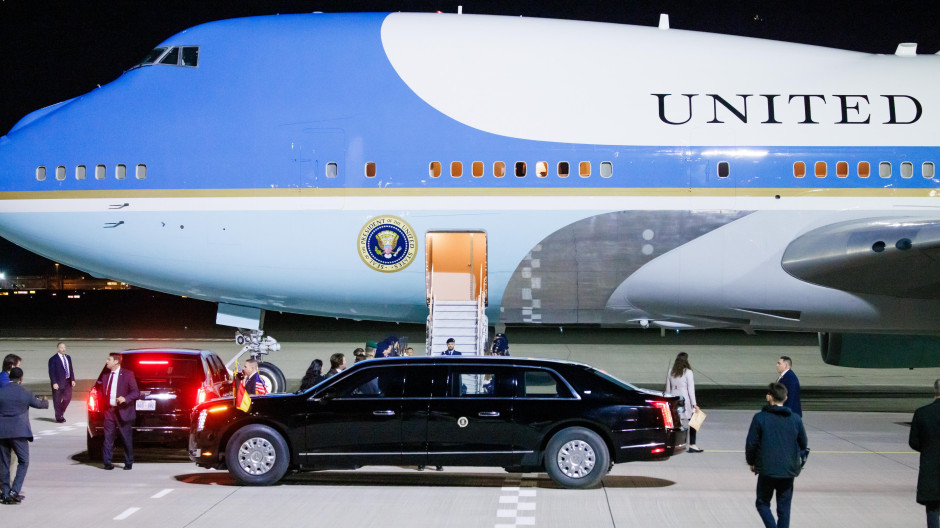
x=15, y=434
x=62, y=379
x=792, y=383
x=925, y=438
x=450, y=348
x=120, y=409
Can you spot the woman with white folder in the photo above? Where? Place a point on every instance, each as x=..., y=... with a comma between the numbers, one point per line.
x=681, y=382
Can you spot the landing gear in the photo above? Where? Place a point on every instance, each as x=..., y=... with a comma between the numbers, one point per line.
x=257, y=345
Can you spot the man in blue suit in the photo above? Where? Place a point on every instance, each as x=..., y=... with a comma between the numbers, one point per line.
x=792, y=383
x=62, y=379
x=450, y=348
x=15, y=434
x=120, y=409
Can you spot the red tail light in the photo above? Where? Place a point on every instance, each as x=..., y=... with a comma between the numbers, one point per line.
x=667, y=413
x=201, y=395
x=93, y=400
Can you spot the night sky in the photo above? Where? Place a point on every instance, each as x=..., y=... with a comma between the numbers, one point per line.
x=51, y=51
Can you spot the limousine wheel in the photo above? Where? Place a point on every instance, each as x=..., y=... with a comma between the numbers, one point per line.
x=576, y=458
x=257, y=455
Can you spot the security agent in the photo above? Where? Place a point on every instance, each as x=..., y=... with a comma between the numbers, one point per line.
x=450, y=348
x=15, y=434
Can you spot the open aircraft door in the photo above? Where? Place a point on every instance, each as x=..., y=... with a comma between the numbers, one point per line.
x=456, y=266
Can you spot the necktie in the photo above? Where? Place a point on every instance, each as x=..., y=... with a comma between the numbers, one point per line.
x=65, y=363
x=108, y=390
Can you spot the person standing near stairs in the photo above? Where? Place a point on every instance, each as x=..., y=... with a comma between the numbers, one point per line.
x=450, y=348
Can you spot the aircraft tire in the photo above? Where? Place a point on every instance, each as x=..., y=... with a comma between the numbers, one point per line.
x=273, y=377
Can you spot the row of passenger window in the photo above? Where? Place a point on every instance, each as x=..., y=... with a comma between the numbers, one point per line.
x=101, y=172
x=863, y=169
x=520, y=169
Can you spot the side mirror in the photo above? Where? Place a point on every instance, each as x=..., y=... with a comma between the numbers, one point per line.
x=324, y=397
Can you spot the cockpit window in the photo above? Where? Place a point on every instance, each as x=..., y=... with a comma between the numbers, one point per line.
x=174, y=56
x=190, y=56
x=152, y=56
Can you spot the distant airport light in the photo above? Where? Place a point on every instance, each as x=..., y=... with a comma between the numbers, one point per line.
x=75, y=296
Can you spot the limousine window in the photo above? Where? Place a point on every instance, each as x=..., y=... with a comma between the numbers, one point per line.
x=543, y=384
x=373, y=383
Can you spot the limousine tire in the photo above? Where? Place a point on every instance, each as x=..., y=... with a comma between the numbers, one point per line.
x=257, y=455
x=576, y=458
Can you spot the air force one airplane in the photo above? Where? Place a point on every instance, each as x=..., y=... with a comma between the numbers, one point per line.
x=554, y=172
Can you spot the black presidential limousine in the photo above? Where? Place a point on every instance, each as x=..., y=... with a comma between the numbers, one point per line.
x=570, y=419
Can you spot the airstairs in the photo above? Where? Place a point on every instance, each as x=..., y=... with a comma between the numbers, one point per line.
x=456, y=292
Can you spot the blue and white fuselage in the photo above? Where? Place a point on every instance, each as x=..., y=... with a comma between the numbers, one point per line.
x=621, y=174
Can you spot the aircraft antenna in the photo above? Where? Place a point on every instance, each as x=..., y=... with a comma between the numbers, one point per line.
x=663, y=21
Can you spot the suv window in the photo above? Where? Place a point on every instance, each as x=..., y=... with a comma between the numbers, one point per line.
x=373, y=383
x=219, y=372
x=165, y=369
x=542, y=384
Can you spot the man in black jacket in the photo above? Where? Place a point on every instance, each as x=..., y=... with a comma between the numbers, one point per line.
x=925, y=438
x=774, y=443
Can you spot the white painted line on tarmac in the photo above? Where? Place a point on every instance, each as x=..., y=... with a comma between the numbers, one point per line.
x=514, y=500
x=126, y=513
x=162, y=494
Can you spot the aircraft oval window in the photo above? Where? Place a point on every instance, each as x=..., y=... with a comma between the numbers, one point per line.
x=907, y=169
x=864, y=169
x=370, y=169
x=141, y=173
x=499, y=169
x=477, y=169
x=878, y=247
x=820, y=169
x=456, y=169
x=842, y=169
x=607, y=169
x=172, y=57
x=563, y=169
x=927, y=169
x=332, y=169
x=541, y=169
x=724, y=169
x=520, y=169
x=80, y=172
x=434, y=169
x=584, y=169
x=100, y=172
x=799, y=169
x=884, y=169
x=40, y=173
x=60, y=172
x=190, y=56
x=120, y=172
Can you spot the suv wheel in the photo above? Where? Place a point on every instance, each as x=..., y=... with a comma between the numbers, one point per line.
x=257, y=455
x=95, y=446
x=576, y=458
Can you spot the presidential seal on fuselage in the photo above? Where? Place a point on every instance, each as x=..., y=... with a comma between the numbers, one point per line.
x=387, y=244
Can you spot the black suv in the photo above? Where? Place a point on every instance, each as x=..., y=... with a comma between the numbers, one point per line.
x=570, y=419
x=171, y=383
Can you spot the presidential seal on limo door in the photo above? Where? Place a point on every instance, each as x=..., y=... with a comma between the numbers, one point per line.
x=387, y=244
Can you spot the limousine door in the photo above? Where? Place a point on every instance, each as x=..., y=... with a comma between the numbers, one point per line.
x=470, y=421
x=356, y=422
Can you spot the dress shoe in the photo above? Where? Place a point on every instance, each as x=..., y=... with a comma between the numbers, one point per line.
x=128, y=467
x=420, y=468
x=11, y=499
x=60, y=420
x=17, y=495
x=440, y=468
x=109, y=467
x=695, y=450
